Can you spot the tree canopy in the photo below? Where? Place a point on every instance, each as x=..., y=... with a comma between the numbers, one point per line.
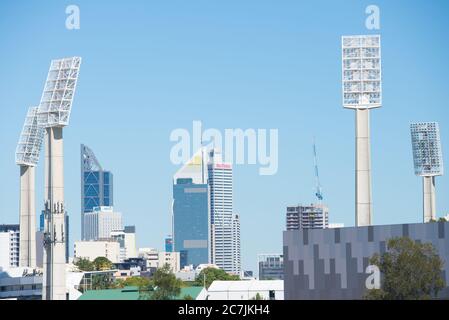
x=410, y=271
x=85, y=264
x=210, y=274
x=163, y=286
x=102, y=263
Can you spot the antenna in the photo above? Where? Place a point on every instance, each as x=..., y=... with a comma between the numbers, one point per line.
x=319, y=192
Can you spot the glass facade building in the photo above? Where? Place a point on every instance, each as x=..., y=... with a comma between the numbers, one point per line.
x=96, y=185
x=169, y=244
x=191, y=222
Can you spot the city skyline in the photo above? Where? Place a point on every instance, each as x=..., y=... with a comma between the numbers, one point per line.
x=217, y=74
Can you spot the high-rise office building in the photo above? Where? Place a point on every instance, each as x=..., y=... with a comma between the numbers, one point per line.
x=191, y=212
x=225, y=225
x=101, y=222
x=314, y=216
x=271, y=266
x=96, y=185
x=9, y=245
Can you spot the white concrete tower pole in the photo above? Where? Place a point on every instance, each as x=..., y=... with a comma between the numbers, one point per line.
x=363, y=169
x=27, y=218
x=429, y=209
x=54, y=241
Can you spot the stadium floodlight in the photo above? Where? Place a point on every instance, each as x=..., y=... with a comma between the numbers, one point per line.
x=27, y=157
x=54, y=114
x=362, y=85
x=428, y=162
x=362, y=91
x=59, y=90
x=30, y=142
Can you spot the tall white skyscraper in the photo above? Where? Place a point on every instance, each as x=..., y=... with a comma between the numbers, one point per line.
x=225, y=225
x=101, y=222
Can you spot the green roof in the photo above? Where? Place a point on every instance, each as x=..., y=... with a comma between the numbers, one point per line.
x=189, y=291
x=132, y=293
x=126, y=293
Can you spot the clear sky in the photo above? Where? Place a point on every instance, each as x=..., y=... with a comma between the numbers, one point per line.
x=150, y=67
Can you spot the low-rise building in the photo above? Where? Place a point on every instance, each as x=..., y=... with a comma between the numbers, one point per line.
x=271, y=266
x=246, y=290
x=157, y=259
x=133, y=293
x=94, y=249
x=188, y=273
x=24, y=283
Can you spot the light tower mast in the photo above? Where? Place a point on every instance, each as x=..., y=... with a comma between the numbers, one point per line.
x=54, y=114
x=362, y=91
x=27, y=157
x=428, y=162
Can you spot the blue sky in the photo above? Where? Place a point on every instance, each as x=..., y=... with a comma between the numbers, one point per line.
x=153, y=66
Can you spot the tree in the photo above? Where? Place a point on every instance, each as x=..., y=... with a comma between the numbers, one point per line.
x=164, y=285
x=410, y=271
x=85, y=264
x=442, y=219
x=101, y=281
x=102, y=263
x=137, y=281
x=188, y=297
x=258, y=296
x=210, y=274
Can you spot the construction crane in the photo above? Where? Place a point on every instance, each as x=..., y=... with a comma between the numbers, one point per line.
x=319, y=192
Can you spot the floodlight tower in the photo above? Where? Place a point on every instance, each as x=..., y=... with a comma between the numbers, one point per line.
x=54, y=114
x=27, y=157
x=362, y=91
x=428, y=162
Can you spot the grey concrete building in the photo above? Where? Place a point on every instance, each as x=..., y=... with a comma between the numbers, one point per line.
x=331, y=263
x=271, y=266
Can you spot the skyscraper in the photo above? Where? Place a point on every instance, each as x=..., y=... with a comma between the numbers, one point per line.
x=101, y=222
x=96, y=185
x=9, y=245
x=191, y=212
x=225, y=225
x=169, y=243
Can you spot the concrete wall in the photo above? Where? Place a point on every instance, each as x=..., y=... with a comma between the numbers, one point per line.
x=331, y=263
